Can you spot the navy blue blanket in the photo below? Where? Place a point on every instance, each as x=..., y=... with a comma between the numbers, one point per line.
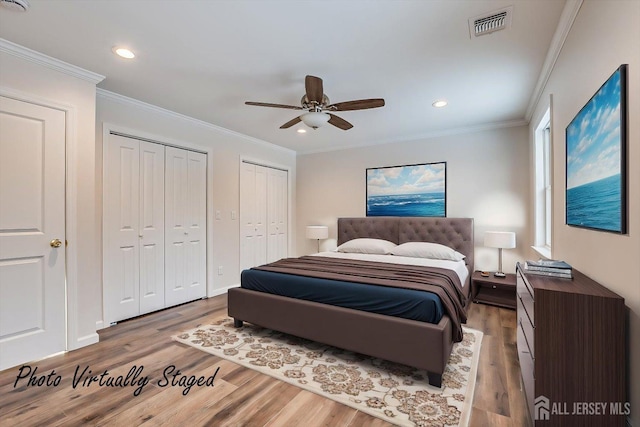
x=398, y=302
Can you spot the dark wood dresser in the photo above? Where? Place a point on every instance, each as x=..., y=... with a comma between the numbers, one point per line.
x=571, y=347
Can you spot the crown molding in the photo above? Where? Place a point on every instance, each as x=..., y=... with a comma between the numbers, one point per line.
x=49, y=62
x=115, y=97
x=430, y=135
x=567, y=18
x=112, y=96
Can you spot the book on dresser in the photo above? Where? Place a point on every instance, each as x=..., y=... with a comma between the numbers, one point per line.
x=550, y=268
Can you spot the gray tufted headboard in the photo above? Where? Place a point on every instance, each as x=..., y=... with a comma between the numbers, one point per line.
x=457, y=233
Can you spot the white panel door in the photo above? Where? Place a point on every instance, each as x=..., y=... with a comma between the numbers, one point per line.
x=277, y=214
x=247, y=209
x=260, y=217
x=121, y=228
x=151, y=227
x=176, y=226
x=196, y=225
x=32, y=215
x=253, y=215
x=185, y=225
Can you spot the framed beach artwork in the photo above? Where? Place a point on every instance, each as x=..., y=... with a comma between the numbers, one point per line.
x=596, y=192
x=410, y=190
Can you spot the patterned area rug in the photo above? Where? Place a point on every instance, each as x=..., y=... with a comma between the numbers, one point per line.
x=395, y=393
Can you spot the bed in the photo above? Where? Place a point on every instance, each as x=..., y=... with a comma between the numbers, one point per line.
x=402, y=340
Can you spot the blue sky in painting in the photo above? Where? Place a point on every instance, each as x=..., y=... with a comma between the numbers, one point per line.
x=418, y=179
x=593, y=137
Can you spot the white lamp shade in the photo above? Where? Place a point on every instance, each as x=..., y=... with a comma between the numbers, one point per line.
x=317, y=232
x=314, y=119
x=500, y=239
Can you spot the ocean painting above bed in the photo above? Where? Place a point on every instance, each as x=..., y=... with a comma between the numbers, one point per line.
x=410, y=190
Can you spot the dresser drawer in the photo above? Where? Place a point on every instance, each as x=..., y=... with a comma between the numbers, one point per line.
x=524, y=296
x=525, y=329
x=527, y=370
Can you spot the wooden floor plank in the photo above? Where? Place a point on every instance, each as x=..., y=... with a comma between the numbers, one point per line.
x=309, y=409
x=491, y=393
x=170, y=407
x=240, y=396
x=480, y=418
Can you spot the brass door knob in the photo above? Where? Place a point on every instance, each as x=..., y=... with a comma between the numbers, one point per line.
x=55, y=243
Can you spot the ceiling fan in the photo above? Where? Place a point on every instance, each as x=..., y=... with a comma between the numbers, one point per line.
x=319, y=108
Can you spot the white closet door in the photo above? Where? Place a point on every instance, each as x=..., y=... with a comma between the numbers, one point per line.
x=260, y=218
x=247, y=209
x=176, y=230
x=253, y=215
x=196, y=225
x=263, y=215
x=151, y=227
x=185, y=226
x=32, y=214
x=121, y=226
x=277, y=214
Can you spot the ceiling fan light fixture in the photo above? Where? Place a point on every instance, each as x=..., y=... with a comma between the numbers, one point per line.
x=314, y=119
x=316, y=106
x=15, y=5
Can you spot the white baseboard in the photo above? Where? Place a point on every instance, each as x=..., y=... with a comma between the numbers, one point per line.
x=221, y=291
x=85, y=341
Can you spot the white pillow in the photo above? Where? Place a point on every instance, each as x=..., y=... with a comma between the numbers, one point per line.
x=427, y=250
x=367, y=246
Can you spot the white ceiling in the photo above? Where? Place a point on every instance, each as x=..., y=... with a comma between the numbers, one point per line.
x=204, y=58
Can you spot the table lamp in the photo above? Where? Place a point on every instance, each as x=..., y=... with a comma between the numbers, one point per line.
x=500, y=240
x=317, y=232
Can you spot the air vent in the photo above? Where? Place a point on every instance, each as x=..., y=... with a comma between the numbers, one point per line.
x=489, y=23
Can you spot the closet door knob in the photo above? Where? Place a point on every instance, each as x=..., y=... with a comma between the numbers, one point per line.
x=55, y=243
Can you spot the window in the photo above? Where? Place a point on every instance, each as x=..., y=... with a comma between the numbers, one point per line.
x=543, y=186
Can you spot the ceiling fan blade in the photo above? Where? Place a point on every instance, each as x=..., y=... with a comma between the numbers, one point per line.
x=291, y=123
x=313, y=86
x=361, y=104
x=264, y=104
x=338, y=122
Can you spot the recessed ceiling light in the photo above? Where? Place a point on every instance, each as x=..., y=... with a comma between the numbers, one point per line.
x=123, y=52
x=440, y=103
x=302, y=131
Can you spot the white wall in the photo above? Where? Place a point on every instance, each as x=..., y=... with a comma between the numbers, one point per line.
x=47, y=83
x=226, y=149
x=486, y=180
x=603, y=36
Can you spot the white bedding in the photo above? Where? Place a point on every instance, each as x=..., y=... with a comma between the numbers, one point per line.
x=458, y=266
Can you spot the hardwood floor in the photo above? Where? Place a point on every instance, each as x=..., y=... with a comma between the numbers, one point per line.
x=240, y=396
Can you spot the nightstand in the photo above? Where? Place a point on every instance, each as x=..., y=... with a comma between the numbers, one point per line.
x=499, y=291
